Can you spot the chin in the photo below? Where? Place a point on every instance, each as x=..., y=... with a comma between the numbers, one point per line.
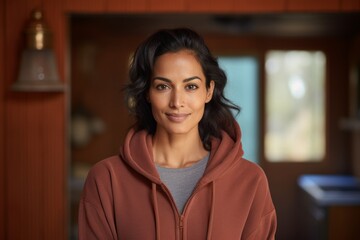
x=181, y=130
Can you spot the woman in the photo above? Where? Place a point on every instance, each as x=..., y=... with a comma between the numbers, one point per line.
x=181, y=172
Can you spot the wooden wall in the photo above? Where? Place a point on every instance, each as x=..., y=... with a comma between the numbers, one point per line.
x=2, y=122
x=33, y=129
x=35, y=162
x=228, y=6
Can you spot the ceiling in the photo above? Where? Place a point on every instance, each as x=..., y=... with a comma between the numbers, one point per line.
x=285, y=24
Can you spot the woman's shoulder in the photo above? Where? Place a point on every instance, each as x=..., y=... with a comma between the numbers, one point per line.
x=98, y=181
x=251, y=169
x=104, y=168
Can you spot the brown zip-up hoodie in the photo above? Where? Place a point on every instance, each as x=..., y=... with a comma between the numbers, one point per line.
x=124, y=198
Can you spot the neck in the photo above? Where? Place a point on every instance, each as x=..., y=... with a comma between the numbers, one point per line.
x=177, y=150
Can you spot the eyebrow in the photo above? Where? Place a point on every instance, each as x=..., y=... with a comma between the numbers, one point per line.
x=168, y=80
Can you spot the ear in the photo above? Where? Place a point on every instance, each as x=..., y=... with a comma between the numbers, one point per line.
x=210, y=91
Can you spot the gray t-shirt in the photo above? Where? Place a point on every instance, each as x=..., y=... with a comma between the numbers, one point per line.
x=182, y=181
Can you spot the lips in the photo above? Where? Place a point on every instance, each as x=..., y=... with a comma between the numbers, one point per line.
x=177, y=117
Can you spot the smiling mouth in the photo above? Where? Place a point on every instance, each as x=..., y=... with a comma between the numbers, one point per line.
x=177, y=117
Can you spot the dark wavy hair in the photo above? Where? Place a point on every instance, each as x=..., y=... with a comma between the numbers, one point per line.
x=217, y=115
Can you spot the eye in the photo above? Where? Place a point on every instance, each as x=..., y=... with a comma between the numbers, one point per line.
x=161, y=87
x=191, y=87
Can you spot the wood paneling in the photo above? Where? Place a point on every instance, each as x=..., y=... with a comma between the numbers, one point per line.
x=128, y=5
x=56, y=18
x=167, y=6
x=211, y=6
x=260, y=5
x=2, y=122
x=356, y=153
x=24, y=173
x=16, y=132
x=54, y=139
x=88, y=6
x=35, y=136
x=336, y=106
x=272, y=5
x=55, y=165
x=344, y=222
x=350, y=5
x=310, y=5
x=355, y=107
x=98, y=75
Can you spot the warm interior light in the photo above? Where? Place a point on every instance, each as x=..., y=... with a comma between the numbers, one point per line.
x=38, y=69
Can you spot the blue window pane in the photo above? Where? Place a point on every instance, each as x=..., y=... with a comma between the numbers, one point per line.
x=242, y=89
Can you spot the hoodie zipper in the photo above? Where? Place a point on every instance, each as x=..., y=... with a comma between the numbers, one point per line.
x=180, y=228
x=180, y=217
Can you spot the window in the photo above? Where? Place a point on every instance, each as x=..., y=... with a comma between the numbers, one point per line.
x=243, y=90
x=295, y=106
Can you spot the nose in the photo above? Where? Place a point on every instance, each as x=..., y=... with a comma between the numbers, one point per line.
x=177, y=99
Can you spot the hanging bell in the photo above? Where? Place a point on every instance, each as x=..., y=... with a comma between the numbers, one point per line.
x=38, y=69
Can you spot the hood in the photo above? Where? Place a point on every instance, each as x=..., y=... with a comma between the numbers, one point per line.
x=137, y=153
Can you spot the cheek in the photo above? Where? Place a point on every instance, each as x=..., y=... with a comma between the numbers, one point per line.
x=158, y=103
x=156, y=111
x=198, y=107
x=198, y=101
x=153, y=99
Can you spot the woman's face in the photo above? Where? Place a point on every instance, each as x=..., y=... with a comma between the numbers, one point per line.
x=178, y=93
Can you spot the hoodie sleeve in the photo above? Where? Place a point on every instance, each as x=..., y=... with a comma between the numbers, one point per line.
x=262, y=222
x=266, y=229
x=96, y=217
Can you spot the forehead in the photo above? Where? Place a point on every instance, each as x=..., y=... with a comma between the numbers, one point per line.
x=185, y=60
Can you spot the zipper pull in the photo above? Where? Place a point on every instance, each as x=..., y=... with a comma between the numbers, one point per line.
x=181, y=222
